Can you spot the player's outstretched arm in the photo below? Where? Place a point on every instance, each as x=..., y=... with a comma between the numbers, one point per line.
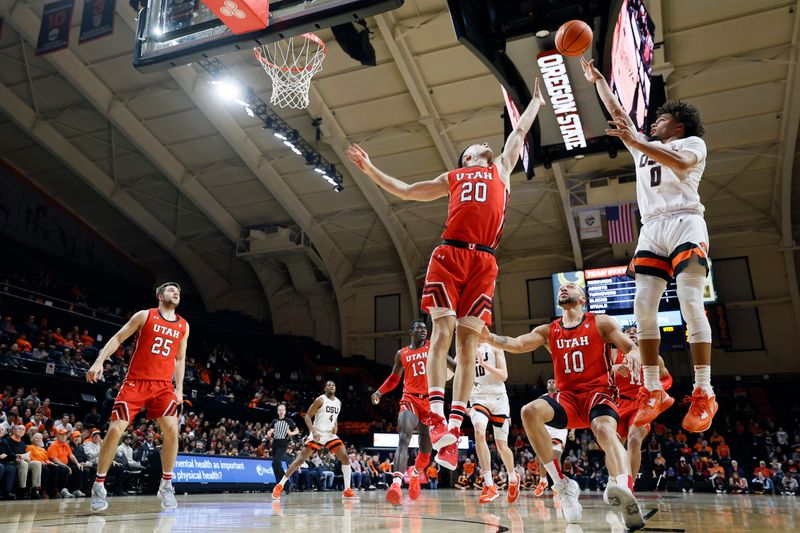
x=657, y=151
x=180, y=366
x=610, y=331
x=613, y=106
x=424, y=191
x=516, y=138
x=309, y=416
x=132, y=326
x=523, y=343
x=391, y=382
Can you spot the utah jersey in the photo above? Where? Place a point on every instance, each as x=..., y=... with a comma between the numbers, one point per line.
x=153, y=358
x=629, y=387
x=476, y=210
x=486, y=383
x=581, y=357
x=326, y=416
x=414, y=361
x=663, y=191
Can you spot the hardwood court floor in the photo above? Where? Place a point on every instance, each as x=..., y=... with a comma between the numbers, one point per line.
x=444, y=511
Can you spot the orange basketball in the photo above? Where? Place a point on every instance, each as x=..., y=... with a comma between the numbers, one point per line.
x=573, y=38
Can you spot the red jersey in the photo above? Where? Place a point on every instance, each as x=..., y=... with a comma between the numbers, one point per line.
x=476, y=211
x=153, y=358
x=581, y=358
x=415, y=379
x=629, y=387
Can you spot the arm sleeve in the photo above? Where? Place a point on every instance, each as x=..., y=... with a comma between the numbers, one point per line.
x=391, y=382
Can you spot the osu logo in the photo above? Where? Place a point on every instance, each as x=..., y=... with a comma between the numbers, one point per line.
x=231, y=9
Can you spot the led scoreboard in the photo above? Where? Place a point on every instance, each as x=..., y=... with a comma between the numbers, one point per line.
x=611, y=291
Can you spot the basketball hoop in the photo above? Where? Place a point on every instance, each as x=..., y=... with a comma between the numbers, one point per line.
x=291, y=64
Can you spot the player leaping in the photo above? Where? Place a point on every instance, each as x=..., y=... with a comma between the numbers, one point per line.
x=459, y=284
x=159, y=355
x=673, y=242
x=489, y=405
x=322, y=432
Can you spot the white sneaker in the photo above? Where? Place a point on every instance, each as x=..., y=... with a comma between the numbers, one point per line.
x=167, y=494
x=611, y=482
x=79, y=494
x=568, y=492
x=66, y=494
x=623, y=501
x=99, y=502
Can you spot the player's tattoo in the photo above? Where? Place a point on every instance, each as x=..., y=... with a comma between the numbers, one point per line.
x=500, y=339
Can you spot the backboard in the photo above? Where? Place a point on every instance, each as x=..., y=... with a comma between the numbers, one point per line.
x=177, y=32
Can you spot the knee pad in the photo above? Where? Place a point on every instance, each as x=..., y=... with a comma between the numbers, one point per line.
x=501, y=432
x=690, y=296
x=439, y=312
x=471, y=322
x=649, y=290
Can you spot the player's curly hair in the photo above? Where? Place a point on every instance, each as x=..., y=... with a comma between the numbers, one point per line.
x=686, y=114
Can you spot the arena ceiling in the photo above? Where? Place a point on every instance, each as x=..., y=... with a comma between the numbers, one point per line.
x=175, y=177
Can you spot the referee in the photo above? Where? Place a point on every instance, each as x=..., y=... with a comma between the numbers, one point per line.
x=282, y=428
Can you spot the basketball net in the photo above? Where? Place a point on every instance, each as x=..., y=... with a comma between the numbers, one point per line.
x=291, y=64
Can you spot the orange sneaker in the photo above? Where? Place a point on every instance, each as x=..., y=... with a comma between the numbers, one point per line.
x=395, y=494
x=701, y=411
x=350, y=494
x=513, y=489
x=650, y=404
x=414, y=488
x=490, y=494
x=540, y=488
x=276, y=492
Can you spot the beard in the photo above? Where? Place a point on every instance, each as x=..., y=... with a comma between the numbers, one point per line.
x=567, y=299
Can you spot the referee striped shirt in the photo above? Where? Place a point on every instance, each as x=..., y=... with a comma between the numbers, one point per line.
x=282, y=428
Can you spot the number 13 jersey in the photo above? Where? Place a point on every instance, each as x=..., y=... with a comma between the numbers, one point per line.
x=581, y=358
x=415, y=365
x=153, y=357
x=476, y=210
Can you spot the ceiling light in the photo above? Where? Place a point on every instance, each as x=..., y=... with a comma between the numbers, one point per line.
x=579, y=156
x=541, y=34
x=279, y=135
x=319, y=170
x=228, y=90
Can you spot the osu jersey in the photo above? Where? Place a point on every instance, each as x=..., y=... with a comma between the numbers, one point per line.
x=660, y=191
x=414, y=361
x=476, y=210
x=153, y=358
x=581, y=357
x=327, y=415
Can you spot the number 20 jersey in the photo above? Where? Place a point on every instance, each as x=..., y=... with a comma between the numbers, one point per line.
x=153, y=358
x=476, y=210
x=415, y=366
x=581, y=358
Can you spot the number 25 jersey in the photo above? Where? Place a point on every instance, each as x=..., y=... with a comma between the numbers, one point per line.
x=581, y=358
x=476, y=210
x=415, y=365
x=153, y=358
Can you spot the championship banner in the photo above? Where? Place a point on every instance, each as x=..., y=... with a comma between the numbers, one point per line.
x=590, y=225
x=54, y=31
x=97, y=20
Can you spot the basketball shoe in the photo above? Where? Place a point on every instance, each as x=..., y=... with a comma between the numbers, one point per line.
x=540, y=488
x=568, y=492
x=395, y=494
x=624, y=502
x=99, y=502
x=414, y=487
x=276, y=492
x=167, y=494
x=650, y=404
x=441, y=436
x=490, y=494
x=448, y=455
x=701, y=411
x=513, y=488
x=349, y=494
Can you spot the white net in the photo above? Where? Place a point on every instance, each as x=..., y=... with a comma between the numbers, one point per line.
x=291, y=64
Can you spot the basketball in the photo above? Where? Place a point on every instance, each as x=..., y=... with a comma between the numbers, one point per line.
x=573, y=38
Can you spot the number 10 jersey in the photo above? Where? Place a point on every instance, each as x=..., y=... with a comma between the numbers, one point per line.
x=581, y=357
x=153, y=358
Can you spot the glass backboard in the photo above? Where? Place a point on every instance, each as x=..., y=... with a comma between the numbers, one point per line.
x=177, y=32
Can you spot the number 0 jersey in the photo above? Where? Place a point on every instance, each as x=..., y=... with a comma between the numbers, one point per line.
x=485, y=383
x=326, y=416
x=153, y=357
x=476, y=210
x=662, y=191
x=415, y=364
x=581, y=358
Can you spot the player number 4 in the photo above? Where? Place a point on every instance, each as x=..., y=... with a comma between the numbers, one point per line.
x=577, y=362
x=161, y=346
x=473, y=191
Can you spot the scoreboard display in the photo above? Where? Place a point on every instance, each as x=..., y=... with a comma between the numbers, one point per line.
x=611, y=291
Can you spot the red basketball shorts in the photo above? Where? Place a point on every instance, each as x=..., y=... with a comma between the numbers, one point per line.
x=417, y=404
x=577, y=410
x=627, y=411
x=157, y=396
x=462, y=280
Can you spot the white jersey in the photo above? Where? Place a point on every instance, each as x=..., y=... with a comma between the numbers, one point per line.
x=663, y=191
x=486, y=383
x=325, y=418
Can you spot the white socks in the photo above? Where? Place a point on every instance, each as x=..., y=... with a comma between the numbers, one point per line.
x=346, y=474
x=651, y=379
x=487, y=479
x=284, y=480
x=554, y=471
x=398, y=478
x=702, y=378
